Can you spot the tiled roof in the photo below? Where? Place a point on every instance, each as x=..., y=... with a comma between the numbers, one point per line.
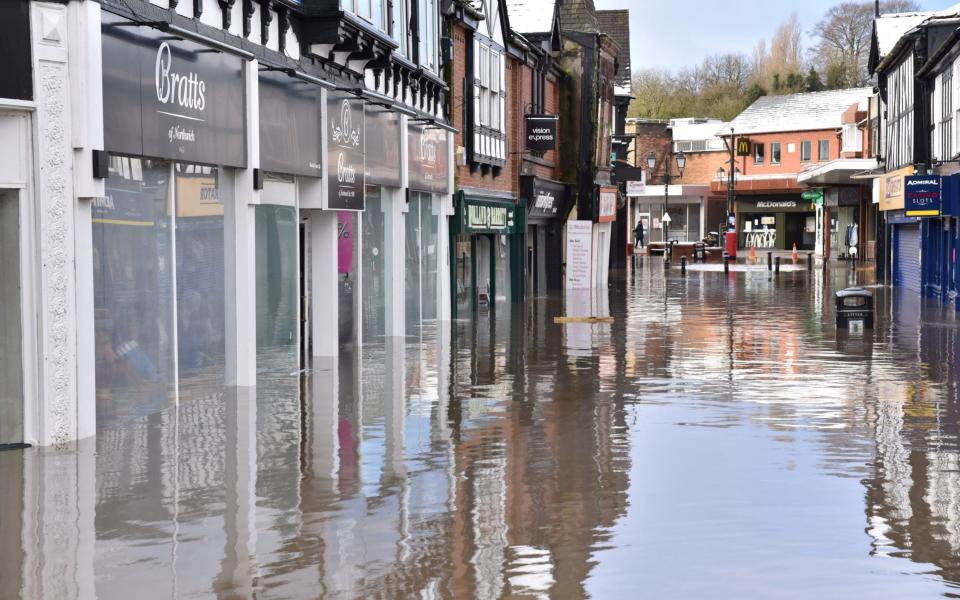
x=798, y=112
x=530, y=16
x=616, y=24
x=579, y=15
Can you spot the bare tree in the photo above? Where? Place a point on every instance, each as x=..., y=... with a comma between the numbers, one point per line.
x=843, y=40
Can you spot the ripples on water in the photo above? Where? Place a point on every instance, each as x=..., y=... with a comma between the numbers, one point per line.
x=720, y=439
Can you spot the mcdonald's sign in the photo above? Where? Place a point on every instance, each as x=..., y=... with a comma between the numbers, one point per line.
x=743, y=147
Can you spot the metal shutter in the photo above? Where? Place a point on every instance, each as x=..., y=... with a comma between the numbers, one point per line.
x=906, y=260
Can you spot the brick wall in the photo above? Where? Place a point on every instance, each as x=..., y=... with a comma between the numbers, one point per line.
x=701, y=168
x=649, y=137
x=790, y=163
x=506, y=180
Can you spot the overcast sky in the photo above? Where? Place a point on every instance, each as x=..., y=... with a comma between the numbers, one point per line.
x=679, y=33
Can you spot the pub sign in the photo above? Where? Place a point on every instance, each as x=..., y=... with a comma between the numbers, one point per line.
x=345, y=153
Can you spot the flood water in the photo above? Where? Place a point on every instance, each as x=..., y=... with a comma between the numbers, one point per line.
x=719, y=439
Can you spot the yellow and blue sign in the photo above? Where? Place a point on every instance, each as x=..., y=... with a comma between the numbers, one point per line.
x=923, y=196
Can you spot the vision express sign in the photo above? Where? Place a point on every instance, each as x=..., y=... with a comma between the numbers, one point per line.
x=541, y=132
x=169, y=98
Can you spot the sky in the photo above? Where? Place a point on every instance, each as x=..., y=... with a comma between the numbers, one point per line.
x=672, y=34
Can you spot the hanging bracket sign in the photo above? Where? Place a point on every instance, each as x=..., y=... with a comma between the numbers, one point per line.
x=345, y=153
x=744, y=147
x=541, y=132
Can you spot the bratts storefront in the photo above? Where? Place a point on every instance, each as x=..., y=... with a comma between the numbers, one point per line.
x=486, y=237
x=547, y=208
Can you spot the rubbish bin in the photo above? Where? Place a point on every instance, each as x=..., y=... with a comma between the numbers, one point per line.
x=699, y=252
x=854, y=309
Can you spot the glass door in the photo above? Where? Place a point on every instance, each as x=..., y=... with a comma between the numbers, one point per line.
x=11, y=334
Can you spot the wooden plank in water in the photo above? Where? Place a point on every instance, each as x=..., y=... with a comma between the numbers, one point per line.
x=587, y=320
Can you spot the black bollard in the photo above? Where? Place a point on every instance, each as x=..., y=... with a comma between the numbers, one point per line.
x=769, y=261
x=778, y=265
x=810, y=261
x=683, y=265
x=726, y=264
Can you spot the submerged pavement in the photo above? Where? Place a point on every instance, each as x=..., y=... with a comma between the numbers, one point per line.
x=719, y=439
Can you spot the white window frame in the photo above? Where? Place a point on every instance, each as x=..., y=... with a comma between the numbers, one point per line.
x=806, y=151
x=776, y=160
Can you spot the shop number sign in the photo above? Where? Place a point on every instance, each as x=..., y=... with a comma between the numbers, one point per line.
x=922, y=197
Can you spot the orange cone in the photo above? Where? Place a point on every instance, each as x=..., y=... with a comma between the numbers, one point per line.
x=796, y=256
x=753, y=254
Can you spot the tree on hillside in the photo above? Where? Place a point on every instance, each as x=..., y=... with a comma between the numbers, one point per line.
x=779, y=68
x=843, y=40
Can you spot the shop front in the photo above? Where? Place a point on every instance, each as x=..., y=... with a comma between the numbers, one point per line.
x=485, y=234
x=547, y=206
x=776, y=222
x=901, y=233
x=686, y=205
x=176, y=132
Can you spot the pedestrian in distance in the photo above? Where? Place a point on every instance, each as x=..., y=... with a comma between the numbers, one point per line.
x=638, y=234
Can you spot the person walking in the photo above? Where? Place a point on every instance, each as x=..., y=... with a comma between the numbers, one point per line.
x=638, y=234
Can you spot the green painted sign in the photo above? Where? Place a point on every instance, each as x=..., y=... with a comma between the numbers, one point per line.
x=815, y=196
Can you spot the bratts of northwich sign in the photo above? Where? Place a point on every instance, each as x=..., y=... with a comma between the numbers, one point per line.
x=345, y=142
x=169, y=98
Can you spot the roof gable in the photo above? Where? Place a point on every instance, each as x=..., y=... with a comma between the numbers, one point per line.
x=798, y=112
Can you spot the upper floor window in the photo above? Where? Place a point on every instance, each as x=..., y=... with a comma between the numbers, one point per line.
x=823, y=154
x=368, y=10
x=806, y=151
x=429, y=33
x=399, y=27
x=775, y=153
x=758, y=154
x=852, y=138
x=488, y=87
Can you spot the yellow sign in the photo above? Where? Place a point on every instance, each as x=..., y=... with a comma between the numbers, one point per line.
x=891, y=188
x=743, y=147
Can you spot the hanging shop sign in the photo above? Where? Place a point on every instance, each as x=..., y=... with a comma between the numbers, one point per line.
x=744, y=147
x=637, y=188
x=922, y=196
x=814, y=195
x=541, y=132
x=291, y=136
x=171, y=98
x=345, y=153
x=428, y=158
x=546, y=199
x=607, y=205
x=383, y=164
x=579, y=254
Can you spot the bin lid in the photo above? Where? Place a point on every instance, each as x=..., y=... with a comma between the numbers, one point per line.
x=856, y=291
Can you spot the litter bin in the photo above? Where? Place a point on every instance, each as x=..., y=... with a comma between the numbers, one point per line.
x=854, y=309
x=699, y=252
x=730, y=243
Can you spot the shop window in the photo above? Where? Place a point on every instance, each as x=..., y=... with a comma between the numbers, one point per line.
x=277, y=272
x=806, y=151
x=775, y=153
x=758, y=150
x=374, y=266
x=823, y=153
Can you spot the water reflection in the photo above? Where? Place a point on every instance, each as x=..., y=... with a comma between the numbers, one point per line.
x=719, y=439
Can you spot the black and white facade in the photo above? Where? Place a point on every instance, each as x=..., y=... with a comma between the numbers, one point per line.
x=190, y=189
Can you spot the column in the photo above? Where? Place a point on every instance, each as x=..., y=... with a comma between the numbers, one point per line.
x=323, y=297
x=240, y=252
x=55, y=247
x=395, y=208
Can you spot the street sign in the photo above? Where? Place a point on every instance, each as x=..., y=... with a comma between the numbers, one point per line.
x=815, y=195
x=743, y=147
x=666, y=218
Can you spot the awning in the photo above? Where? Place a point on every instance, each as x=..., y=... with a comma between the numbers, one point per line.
x=843, y=171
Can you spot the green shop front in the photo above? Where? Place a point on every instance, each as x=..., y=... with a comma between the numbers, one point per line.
x=486, y=236
x=776, y=222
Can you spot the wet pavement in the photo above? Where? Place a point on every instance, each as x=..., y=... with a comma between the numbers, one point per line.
x=720, y=439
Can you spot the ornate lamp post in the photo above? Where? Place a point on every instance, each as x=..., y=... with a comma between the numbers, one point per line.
x=667, y=178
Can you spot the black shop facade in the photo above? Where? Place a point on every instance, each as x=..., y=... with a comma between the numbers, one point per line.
x=776, y=222
x=548, y=203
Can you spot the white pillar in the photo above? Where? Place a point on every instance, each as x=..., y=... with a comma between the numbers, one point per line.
x=443, y=209
x=57, y=309
x=394, y=208
x=325, y=320
x=240, y=252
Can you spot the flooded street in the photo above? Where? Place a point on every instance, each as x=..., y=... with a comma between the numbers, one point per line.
x=719, y=439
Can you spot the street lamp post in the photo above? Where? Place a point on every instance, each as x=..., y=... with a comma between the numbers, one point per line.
x=731, y=185
x=667, y=178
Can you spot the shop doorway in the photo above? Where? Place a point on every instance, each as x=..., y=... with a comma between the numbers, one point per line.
x=11, y=333
x=306, y=342
x=348, y=269
x=800, y=229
